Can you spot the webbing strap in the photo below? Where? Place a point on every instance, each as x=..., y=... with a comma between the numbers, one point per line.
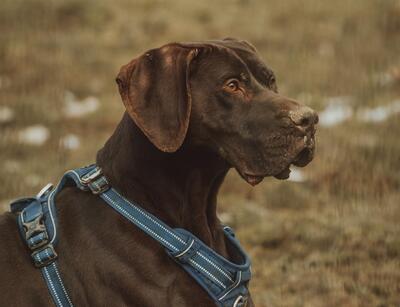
x=55, y=285
x=32, y=214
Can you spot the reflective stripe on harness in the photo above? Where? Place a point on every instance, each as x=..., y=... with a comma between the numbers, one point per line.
x=225, y=282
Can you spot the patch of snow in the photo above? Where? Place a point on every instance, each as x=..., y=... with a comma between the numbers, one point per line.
x=378, y=114
x=71, y=142
x=34, y=135
x=6, y=114
x=74, y=108
x=338, y=110
x=296, y=175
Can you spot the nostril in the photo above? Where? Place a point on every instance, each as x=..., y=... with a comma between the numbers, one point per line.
x=304, y=117
x=305, y=121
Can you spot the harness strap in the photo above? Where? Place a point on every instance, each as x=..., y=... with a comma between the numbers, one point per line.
x=33, y=212
x=226, y=282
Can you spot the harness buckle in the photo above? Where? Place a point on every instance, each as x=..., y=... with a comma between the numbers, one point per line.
x=38, y=240
x=89, y=177
x=96, y=181
x=35, y=232
x=45, y=256
x=34, y=227
x=99, y=185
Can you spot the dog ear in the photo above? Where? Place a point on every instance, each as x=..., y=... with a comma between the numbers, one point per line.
x=239, y=42
x=155, y=90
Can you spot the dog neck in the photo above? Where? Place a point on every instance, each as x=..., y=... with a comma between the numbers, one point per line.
x=179, y=188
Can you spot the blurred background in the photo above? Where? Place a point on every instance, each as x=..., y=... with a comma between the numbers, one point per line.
x=330, y=235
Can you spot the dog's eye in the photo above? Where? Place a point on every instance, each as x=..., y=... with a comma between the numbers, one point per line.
x=232, y=85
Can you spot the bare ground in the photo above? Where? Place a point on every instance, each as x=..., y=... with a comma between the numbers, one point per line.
x=332, y=239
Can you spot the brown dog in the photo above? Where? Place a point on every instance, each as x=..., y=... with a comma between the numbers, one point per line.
x=193, y=111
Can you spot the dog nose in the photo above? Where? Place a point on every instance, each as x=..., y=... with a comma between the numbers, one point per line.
x=304, y=117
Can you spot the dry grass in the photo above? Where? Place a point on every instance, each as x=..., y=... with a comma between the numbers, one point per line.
x=333, y=240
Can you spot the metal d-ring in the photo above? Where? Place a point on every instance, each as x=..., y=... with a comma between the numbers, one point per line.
x=48, y=187
x=186, y=250
x=240, y=300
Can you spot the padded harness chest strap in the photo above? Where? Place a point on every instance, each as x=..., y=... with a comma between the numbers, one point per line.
x=225, y=282
x=37, y=228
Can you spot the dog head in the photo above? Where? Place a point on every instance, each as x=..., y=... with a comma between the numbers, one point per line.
x=221, y=95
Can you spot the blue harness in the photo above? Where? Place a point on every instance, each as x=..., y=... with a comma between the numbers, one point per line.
x=224, y=281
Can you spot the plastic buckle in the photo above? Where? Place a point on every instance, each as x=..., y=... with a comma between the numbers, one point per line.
x=38, y=240
x=45, y=256
x=34, y=227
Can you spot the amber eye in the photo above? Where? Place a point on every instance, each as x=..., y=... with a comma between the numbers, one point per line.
x=232, y=85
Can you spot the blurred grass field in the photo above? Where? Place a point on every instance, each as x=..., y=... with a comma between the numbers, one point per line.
x=330, y=239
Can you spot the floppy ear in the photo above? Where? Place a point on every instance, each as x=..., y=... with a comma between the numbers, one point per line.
x=155, y=90
x=242, y=43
